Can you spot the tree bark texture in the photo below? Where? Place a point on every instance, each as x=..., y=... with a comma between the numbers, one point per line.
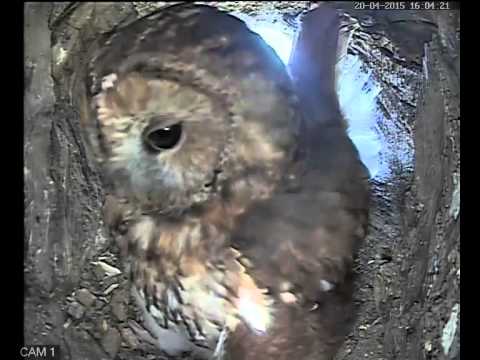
x=408, y=285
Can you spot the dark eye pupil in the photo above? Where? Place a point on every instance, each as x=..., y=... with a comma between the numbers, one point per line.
x=163, y=138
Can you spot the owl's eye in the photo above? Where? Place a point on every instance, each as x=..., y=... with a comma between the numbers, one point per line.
x=162, y=138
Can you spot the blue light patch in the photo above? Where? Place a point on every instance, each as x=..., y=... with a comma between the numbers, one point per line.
x=358, y=93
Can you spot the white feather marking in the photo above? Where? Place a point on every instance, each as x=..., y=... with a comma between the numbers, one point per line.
x=109, y=81
x=252, y=313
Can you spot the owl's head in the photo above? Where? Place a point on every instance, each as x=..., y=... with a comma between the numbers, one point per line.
x=187, y=103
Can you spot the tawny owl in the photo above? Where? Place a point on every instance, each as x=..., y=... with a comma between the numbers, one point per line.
x=237, y=199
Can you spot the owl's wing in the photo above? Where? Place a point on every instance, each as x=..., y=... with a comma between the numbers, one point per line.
x=306, y=239
x=300, y=247
x=312, y=64
x=304, y=243
x=315, y=48
x=301, y=242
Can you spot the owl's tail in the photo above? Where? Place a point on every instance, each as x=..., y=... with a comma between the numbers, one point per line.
x=312, y=67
